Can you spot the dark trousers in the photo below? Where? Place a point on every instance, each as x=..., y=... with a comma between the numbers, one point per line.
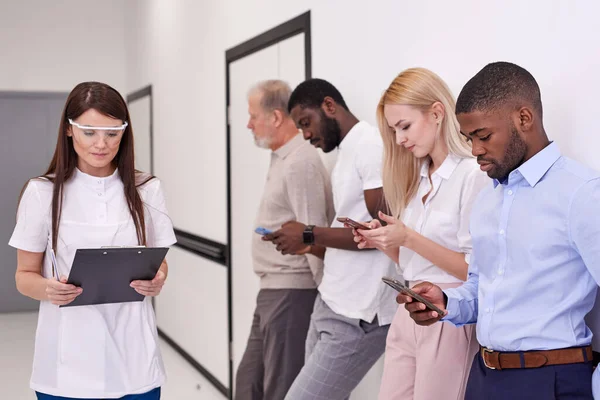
x=555, y=382
x=275, y=351
x=151, y=395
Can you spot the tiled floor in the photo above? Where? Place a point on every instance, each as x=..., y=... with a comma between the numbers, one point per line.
x=16, y=352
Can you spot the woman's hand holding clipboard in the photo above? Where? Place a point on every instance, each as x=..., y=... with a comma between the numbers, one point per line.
x=150, y=288
x=58, y=291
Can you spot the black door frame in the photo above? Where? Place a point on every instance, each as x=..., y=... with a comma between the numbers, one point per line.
x=293, y=27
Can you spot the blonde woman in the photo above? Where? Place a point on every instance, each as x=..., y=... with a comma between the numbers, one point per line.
x=430, y=181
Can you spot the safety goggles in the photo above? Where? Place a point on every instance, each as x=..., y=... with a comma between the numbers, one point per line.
x=111, y=133
x=99, y=128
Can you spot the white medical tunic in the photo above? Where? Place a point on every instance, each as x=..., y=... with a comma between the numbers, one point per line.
x=98, y=351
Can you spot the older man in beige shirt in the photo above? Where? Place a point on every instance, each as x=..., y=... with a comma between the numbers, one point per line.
x=298, y=188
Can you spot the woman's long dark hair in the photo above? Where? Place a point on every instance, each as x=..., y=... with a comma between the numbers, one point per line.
x=107, y=101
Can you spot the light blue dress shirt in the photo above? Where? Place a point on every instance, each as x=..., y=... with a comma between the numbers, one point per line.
x=535, y=264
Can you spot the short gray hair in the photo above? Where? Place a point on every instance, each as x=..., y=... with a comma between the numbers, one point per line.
x=275, y=95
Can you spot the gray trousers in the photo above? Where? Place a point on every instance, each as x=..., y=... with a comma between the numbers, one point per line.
x=275, y=351
x=340, y=351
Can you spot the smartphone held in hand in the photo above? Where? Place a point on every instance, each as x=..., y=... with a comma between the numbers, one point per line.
x=352, y=223
x=402, y=288
x=262, y=231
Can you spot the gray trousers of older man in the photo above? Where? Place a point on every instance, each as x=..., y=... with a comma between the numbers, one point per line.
x=339, y=353
x=275, y=351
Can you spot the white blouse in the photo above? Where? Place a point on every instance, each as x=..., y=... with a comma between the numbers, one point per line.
x=99, y=351
x=444, y=217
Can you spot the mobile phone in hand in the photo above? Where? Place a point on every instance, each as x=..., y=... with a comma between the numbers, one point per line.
x=262, y=231
x=400, y=287
x=353, y=223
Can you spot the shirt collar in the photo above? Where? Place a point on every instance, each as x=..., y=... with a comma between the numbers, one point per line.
x=445, y=170
x=534, y=169
x=353, y=135
x=290, y=146
x=95, y=181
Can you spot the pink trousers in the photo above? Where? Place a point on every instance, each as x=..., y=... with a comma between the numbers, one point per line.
x=427, y=362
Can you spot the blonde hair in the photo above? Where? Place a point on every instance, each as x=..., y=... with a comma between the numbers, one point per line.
x=420, y=88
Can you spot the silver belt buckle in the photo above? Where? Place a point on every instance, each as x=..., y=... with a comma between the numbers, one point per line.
x=486, y=350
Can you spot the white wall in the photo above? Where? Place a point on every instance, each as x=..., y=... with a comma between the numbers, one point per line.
x=179, y=47
x=53, y=45
x=205, y=301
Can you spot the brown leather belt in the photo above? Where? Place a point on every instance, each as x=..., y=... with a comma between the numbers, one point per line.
x=535, y=358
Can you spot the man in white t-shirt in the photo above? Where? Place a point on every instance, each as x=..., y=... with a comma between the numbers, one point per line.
x=354, y=307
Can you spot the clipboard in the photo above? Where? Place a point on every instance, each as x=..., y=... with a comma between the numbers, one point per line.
x=106, y=273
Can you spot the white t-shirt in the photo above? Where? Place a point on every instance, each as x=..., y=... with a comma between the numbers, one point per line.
x=352, y=284
x=444, y=218
x=100, y=351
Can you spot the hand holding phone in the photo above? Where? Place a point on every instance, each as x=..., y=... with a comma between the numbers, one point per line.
x=352, y=223
x=401, y=288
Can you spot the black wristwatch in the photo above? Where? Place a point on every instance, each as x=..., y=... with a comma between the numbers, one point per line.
x=308, y=236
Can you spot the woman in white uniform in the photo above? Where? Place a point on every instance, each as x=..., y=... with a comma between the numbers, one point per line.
x=91, y=196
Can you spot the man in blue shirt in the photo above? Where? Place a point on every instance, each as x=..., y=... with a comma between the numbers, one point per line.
x=535, y=266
